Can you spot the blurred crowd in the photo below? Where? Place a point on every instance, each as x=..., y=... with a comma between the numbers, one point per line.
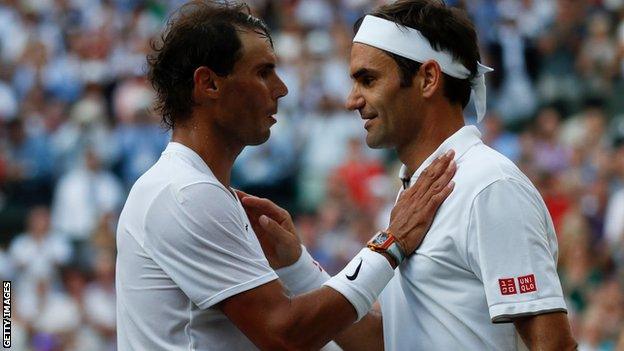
x=76, y=131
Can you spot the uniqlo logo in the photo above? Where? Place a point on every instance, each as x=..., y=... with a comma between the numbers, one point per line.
x=527, y=284
x=507, y=286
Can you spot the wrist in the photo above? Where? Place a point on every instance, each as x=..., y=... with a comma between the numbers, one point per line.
x=385, y=243
x=304, y=275
x=390, y=259
x=362, y=280
x=292, y=257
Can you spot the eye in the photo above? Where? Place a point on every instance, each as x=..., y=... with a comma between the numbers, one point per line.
x=367, y=81
x=266, y=72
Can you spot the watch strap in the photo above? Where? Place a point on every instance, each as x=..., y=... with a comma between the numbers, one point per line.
x=389, y=246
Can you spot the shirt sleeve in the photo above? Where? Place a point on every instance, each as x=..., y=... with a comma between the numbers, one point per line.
x=201, y=238
x=512, y=248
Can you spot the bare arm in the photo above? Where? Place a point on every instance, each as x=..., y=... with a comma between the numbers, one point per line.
x=365, y=335
x=545, y=332
x=272, y=320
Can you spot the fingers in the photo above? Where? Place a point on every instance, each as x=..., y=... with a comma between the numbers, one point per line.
x=265, y=206
x=241, y=194
x=430, y=175
x=438, y=198
x=444, y=179
x=271, y=226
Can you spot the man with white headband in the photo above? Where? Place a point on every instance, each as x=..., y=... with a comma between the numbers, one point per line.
x=485, y=276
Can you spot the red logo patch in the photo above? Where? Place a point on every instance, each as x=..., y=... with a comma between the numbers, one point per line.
x=507, y=286
x=527, y=284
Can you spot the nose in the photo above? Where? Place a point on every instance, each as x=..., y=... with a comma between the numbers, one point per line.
x=355, y=100
x=280, y=90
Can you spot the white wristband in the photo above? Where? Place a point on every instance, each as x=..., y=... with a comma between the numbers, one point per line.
x=302, y=276
x=362, y=280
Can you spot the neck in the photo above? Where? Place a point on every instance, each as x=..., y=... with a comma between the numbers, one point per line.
x=209, y=143
x=438, y=125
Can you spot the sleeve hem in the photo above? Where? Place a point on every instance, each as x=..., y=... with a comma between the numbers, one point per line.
x=506, y=312
x=237, y=289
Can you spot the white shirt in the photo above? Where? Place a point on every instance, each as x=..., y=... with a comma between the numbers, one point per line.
x=614, y=219
x=81, y=198
x=492, y=234
x=184, y=244
x=38, y=259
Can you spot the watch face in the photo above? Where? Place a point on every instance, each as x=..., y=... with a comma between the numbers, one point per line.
x=380, y=238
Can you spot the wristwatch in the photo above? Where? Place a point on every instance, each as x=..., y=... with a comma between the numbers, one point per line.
x=384, y=241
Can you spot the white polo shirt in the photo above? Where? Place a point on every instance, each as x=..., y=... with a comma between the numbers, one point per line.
x=184, y=244
x=490, y=255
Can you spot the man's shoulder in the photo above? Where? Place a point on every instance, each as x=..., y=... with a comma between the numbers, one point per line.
x=171, y=193
x=173, y=174
x=162, y=184
x=180, y=184
x=483, y=165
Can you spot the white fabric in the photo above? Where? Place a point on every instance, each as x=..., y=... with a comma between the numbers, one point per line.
x=614, y=219
x=81, y=198
x=184, y=244
x=304, y=275
x=494, y=225
x=99, y=305
x=371, y=272
x=410, y=43
x=39, y=259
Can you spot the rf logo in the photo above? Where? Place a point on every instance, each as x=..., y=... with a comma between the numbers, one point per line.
x=507, y=286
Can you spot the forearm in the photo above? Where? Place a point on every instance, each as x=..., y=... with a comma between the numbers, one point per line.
x=313, y=319
x=305, y=276
x=319, y=316
x=365, y=335
x=545, y=332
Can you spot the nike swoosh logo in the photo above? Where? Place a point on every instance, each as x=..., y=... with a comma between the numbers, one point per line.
x=357, y=271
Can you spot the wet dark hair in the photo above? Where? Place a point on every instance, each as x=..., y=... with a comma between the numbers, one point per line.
x=199, y=33
x=446, y=28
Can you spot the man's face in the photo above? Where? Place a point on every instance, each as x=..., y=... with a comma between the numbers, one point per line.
x=250, y=92
x=389, y=110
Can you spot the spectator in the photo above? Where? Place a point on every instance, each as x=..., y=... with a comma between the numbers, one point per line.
x=356, y=172
x=99, y=299
x=29, y=171
x=38, y=252
x=138, y=136
x=495, y=136
x=83, y=196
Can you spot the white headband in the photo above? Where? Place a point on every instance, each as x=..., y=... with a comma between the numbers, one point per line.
x=410, y=43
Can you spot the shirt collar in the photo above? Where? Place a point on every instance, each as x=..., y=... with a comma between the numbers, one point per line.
x=191, y=155
x=460, y=141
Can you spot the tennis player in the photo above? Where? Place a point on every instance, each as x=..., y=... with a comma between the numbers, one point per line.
x=485, y=276
x=191, y=274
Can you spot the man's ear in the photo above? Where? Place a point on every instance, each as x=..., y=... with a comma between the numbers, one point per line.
x=431, y=78
x=205, y=84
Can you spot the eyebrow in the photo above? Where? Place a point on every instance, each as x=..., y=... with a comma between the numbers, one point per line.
x=269, y=65
x=361, y=72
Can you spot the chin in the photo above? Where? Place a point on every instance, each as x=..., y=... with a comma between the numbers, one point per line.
x=260, y=139
x=375, y=142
